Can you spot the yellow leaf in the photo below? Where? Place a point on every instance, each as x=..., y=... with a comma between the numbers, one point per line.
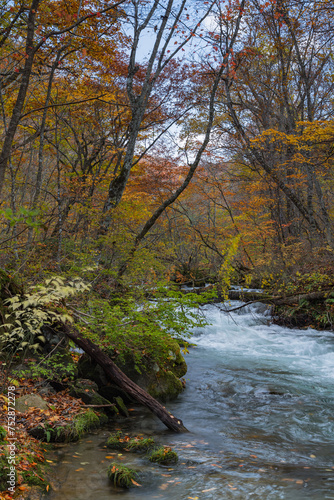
x=312, y=456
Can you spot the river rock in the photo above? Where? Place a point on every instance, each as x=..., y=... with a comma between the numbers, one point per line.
x=23, y=403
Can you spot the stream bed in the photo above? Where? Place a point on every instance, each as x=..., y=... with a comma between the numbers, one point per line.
x=259, y=408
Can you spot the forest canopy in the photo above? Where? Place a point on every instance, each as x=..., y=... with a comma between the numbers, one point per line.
x=152, y=139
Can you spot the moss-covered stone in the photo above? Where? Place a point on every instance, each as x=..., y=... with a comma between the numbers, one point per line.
x=159, y=380
x=164, y=455
x=120, y=441
x=165, y=386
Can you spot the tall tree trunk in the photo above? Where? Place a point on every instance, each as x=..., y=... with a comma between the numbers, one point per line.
x=26, y=72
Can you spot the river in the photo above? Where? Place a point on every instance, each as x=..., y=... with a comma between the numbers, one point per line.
x=260, y=410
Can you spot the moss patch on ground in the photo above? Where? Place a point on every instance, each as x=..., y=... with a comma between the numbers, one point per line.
x=82, y=423
x=30, y=467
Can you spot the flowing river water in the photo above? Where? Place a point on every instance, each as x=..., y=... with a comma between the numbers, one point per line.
x=260, y=410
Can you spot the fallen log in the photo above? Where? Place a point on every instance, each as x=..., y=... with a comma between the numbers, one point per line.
x=117, y=376
x=296, y=299
x=290, y=300
x=249, y=296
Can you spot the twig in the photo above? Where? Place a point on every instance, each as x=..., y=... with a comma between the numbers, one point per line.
x=49, y=354
x=97, y=406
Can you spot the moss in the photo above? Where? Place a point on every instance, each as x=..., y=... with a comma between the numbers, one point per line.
x=34, y=476
x=3, y=433
x=164, y=455
x=141, y=444
x=81, y=424
x=3, y=473
x=121, y=406
x=167, y=386
x=119, y=441
x=122, y=476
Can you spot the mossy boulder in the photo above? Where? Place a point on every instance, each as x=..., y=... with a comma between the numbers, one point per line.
x=164, y=455
x=165, y=386
x=160, y=379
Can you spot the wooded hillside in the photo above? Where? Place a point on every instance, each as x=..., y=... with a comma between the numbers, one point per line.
x=136, y=139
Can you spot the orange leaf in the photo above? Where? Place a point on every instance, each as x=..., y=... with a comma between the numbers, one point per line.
x=134, y=482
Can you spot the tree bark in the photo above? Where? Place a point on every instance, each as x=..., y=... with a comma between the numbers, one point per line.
x=117, y=376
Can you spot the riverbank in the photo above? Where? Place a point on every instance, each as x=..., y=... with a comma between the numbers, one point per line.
x=259, y=410
x=80, y=394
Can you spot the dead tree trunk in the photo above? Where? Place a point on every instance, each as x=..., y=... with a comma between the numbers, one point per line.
x=278, y=300
x=117, y=376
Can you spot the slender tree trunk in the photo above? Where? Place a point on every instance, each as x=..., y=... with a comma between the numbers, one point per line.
x=26, y=72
